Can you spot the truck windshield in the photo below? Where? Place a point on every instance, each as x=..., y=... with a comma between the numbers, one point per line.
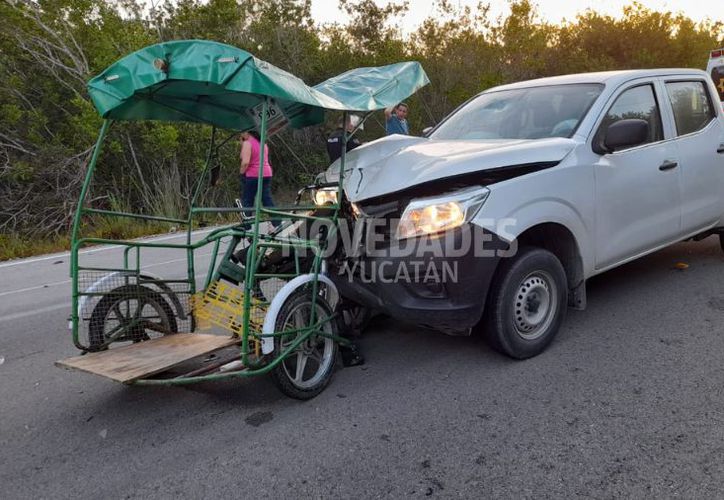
x=530, y=113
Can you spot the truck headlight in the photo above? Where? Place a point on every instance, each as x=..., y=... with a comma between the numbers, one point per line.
x=435, y=214
x=325, y=196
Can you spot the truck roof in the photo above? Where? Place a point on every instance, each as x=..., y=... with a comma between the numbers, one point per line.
x=606, y=77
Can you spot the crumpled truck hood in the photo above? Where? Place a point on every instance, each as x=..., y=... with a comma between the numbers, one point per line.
x=399, y=162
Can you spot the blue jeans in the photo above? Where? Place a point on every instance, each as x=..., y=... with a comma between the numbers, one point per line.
x=248, y=193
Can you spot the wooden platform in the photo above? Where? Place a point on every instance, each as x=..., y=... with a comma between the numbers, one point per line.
x=136, y=361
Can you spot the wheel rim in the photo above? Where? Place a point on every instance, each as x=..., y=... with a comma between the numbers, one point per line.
x=310, y=362
x=535, y=304
x=135, y=319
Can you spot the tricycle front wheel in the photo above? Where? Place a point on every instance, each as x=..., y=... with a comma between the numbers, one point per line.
x=305, y=372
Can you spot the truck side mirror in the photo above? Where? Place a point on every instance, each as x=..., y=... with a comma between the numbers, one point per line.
x=426, y=131
x=622, y=134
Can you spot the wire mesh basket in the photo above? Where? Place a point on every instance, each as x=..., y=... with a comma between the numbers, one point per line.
x=126, y=305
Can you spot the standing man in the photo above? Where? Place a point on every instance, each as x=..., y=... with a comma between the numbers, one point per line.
x=334, y=141
x=397, y=120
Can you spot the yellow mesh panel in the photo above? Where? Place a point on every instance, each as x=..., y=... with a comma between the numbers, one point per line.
x=222, y=305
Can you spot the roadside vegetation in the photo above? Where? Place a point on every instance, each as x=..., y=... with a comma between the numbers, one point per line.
x=17, y=246
x=49, y=50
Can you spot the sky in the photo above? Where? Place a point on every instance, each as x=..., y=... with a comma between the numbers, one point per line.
x=553, y=11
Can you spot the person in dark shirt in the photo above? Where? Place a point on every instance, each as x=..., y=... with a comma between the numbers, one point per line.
x=396, y=120
x=334, y=141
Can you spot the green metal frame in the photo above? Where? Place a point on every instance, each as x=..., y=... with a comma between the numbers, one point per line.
x=258, y=246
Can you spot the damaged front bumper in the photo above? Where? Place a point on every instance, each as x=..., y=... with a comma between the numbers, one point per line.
x=438, y=281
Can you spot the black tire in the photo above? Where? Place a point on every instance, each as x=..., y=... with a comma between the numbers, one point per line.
x=526, y=303
x=296, y=310
x=721, y=241
x=143, y=296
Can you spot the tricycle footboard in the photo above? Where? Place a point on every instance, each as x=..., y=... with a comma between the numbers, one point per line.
x=139, y=361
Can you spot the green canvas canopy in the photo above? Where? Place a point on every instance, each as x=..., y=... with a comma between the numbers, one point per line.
x=217, y=84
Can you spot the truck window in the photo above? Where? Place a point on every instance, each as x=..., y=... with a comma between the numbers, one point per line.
x=637, y=102
x=717, y=75
x=692, y=107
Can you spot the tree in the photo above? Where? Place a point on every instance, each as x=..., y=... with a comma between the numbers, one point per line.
x=49, y=49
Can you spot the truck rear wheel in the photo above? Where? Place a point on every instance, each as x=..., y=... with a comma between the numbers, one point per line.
x=526, y=304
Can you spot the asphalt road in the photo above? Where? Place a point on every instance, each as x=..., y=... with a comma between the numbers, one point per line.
x=627, y=402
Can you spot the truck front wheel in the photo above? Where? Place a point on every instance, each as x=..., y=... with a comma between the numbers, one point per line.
x=526, y=304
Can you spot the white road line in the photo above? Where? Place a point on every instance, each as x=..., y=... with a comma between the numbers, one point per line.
x=35, y=312
x=46, y=285
x=20, y=262
x=175, y=260
x=31, y=288
x=56, y=307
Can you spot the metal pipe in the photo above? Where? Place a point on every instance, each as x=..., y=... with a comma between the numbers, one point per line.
x=191, y=273
x=288, y=208
x=212, y=264
x=251, y=257
x=75, y=243
x=204, y=369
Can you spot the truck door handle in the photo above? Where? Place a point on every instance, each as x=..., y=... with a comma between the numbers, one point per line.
x=668, y=165
x=721, y=149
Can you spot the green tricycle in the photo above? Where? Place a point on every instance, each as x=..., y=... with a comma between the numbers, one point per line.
x=285, y=320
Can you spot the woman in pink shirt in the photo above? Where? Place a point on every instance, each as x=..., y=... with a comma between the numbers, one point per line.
x=249, y=172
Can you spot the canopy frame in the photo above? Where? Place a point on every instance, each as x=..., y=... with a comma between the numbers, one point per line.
x=258, y=243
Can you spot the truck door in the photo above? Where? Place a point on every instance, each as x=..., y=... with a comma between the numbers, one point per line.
x=638, y=200
x=699, y=137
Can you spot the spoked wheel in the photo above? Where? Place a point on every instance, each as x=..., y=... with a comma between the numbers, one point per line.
x=308, y=369
x=130, y=313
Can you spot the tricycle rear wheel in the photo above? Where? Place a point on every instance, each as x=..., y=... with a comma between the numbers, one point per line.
x=133, y=313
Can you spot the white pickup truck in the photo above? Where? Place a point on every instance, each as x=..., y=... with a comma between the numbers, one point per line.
x=560, y=178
